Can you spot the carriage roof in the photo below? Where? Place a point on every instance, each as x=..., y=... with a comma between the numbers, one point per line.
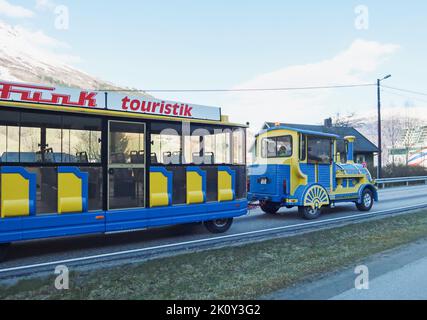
x=308, y=132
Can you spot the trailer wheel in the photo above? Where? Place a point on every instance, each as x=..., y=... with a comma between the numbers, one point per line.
x=367, y=201
x=269, y=207
x=218, y=225
x=309, y=213
x=4, y=249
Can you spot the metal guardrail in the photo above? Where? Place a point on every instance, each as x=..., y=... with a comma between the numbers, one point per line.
x=382, y=182
x=116, y=257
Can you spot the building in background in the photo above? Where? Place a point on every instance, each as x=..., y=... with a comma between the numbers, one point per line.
x=411, y=148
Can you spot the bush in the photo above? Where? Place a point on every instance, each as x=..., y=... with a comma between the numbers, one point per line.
x=397, y=171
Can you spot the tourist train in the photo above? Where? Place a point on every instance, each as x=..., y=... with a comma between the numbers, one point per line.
x=78, y=162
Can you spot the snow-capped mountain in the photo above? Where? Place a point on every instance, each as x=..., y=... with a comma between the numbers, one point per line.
x=33, y=57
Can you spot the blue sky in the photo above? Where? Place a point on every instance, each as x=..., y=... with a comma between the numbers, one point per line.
x=226, y=44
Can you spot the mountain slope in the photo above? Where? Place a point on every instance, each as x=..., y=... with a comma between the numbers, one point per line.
x=33, y=57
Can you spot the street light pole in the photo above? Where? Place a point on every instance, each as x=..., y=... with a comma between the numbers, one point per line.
x=379, y=130
x=380, y=149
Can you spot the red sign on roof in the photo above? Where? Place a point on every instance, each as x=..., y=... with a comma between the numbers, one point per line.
x=29, y=93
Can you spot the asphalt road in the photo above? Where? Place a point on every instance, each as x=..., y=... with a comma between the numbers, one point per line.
x=406, y=283
x=398, y=274
x=33, y=252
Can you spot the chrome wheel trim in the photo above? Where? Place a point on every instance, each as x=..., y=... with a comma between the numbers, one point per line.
x=312, y=211
x=220, y=223
x=367, y=200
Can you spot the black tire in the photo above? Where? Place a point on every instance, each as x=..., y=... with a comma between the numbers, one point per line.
x=309, y=213
x=218, y=225
x=4, y=250
x=269, y=207
x=367, y=201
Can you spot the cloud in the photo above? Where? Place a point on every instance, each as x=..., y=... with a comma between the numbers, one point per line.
x=45, y=4
x=351, y=66
x=21, y=42
x=14, y=11
x=39, y=38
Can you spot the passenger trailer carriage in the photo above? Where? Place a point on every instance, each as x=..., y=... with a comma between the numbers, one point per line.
x=300, y=168
x=79, y=162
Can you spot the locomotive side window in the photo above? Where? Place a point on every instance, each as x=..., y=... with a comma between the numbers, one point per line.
x=268, y=148
x=302, y=147
x=276, y=147
x=319, y=150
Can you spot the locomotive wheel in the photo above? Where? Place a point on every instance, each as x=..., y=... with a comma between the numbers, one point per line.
x=315, y=198
x=309, y=213
x=367, y=201
x=269, y=207
x=218, y=225
x=4, y=249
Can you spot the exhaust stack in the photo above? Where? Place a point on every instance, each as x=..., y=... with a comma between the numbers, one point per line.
x=350, y=148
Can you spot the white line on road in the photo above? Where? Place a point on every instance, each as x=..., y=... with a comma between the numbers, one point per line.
x=207, y=240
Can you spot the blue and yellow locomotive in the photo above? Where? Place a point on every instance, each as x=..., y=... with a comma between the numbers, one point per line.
x=301, y=168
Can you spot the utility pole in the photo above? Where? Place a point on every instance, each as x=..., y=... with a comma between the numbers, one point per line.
x=380, y=149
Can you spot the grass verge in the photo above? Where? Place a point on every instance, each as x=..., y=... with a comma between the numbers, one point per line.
x=243, y=272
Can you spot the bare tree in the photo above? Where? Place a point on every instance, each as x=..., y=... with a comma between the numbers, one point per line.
x=393, y=129
x=411, y=125
x=349, y=120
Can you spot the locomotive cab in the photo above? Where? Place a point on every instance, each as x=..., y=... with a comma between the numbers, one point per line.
x=300, y=168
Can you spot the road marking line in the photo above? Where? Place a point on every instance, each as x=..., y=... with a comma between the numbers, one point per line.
x=171, y=245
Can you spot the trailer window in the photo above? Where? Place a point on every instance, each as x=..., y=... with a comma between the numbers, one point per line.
x=44, y=138
x=276, y=147
x=211, y=145
x=166, y=144
x=185, y=143
x=127, y=143
x=199, y=146
x=223, y=147
x=239, y=150
x=81, y=140
x=319, y=150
